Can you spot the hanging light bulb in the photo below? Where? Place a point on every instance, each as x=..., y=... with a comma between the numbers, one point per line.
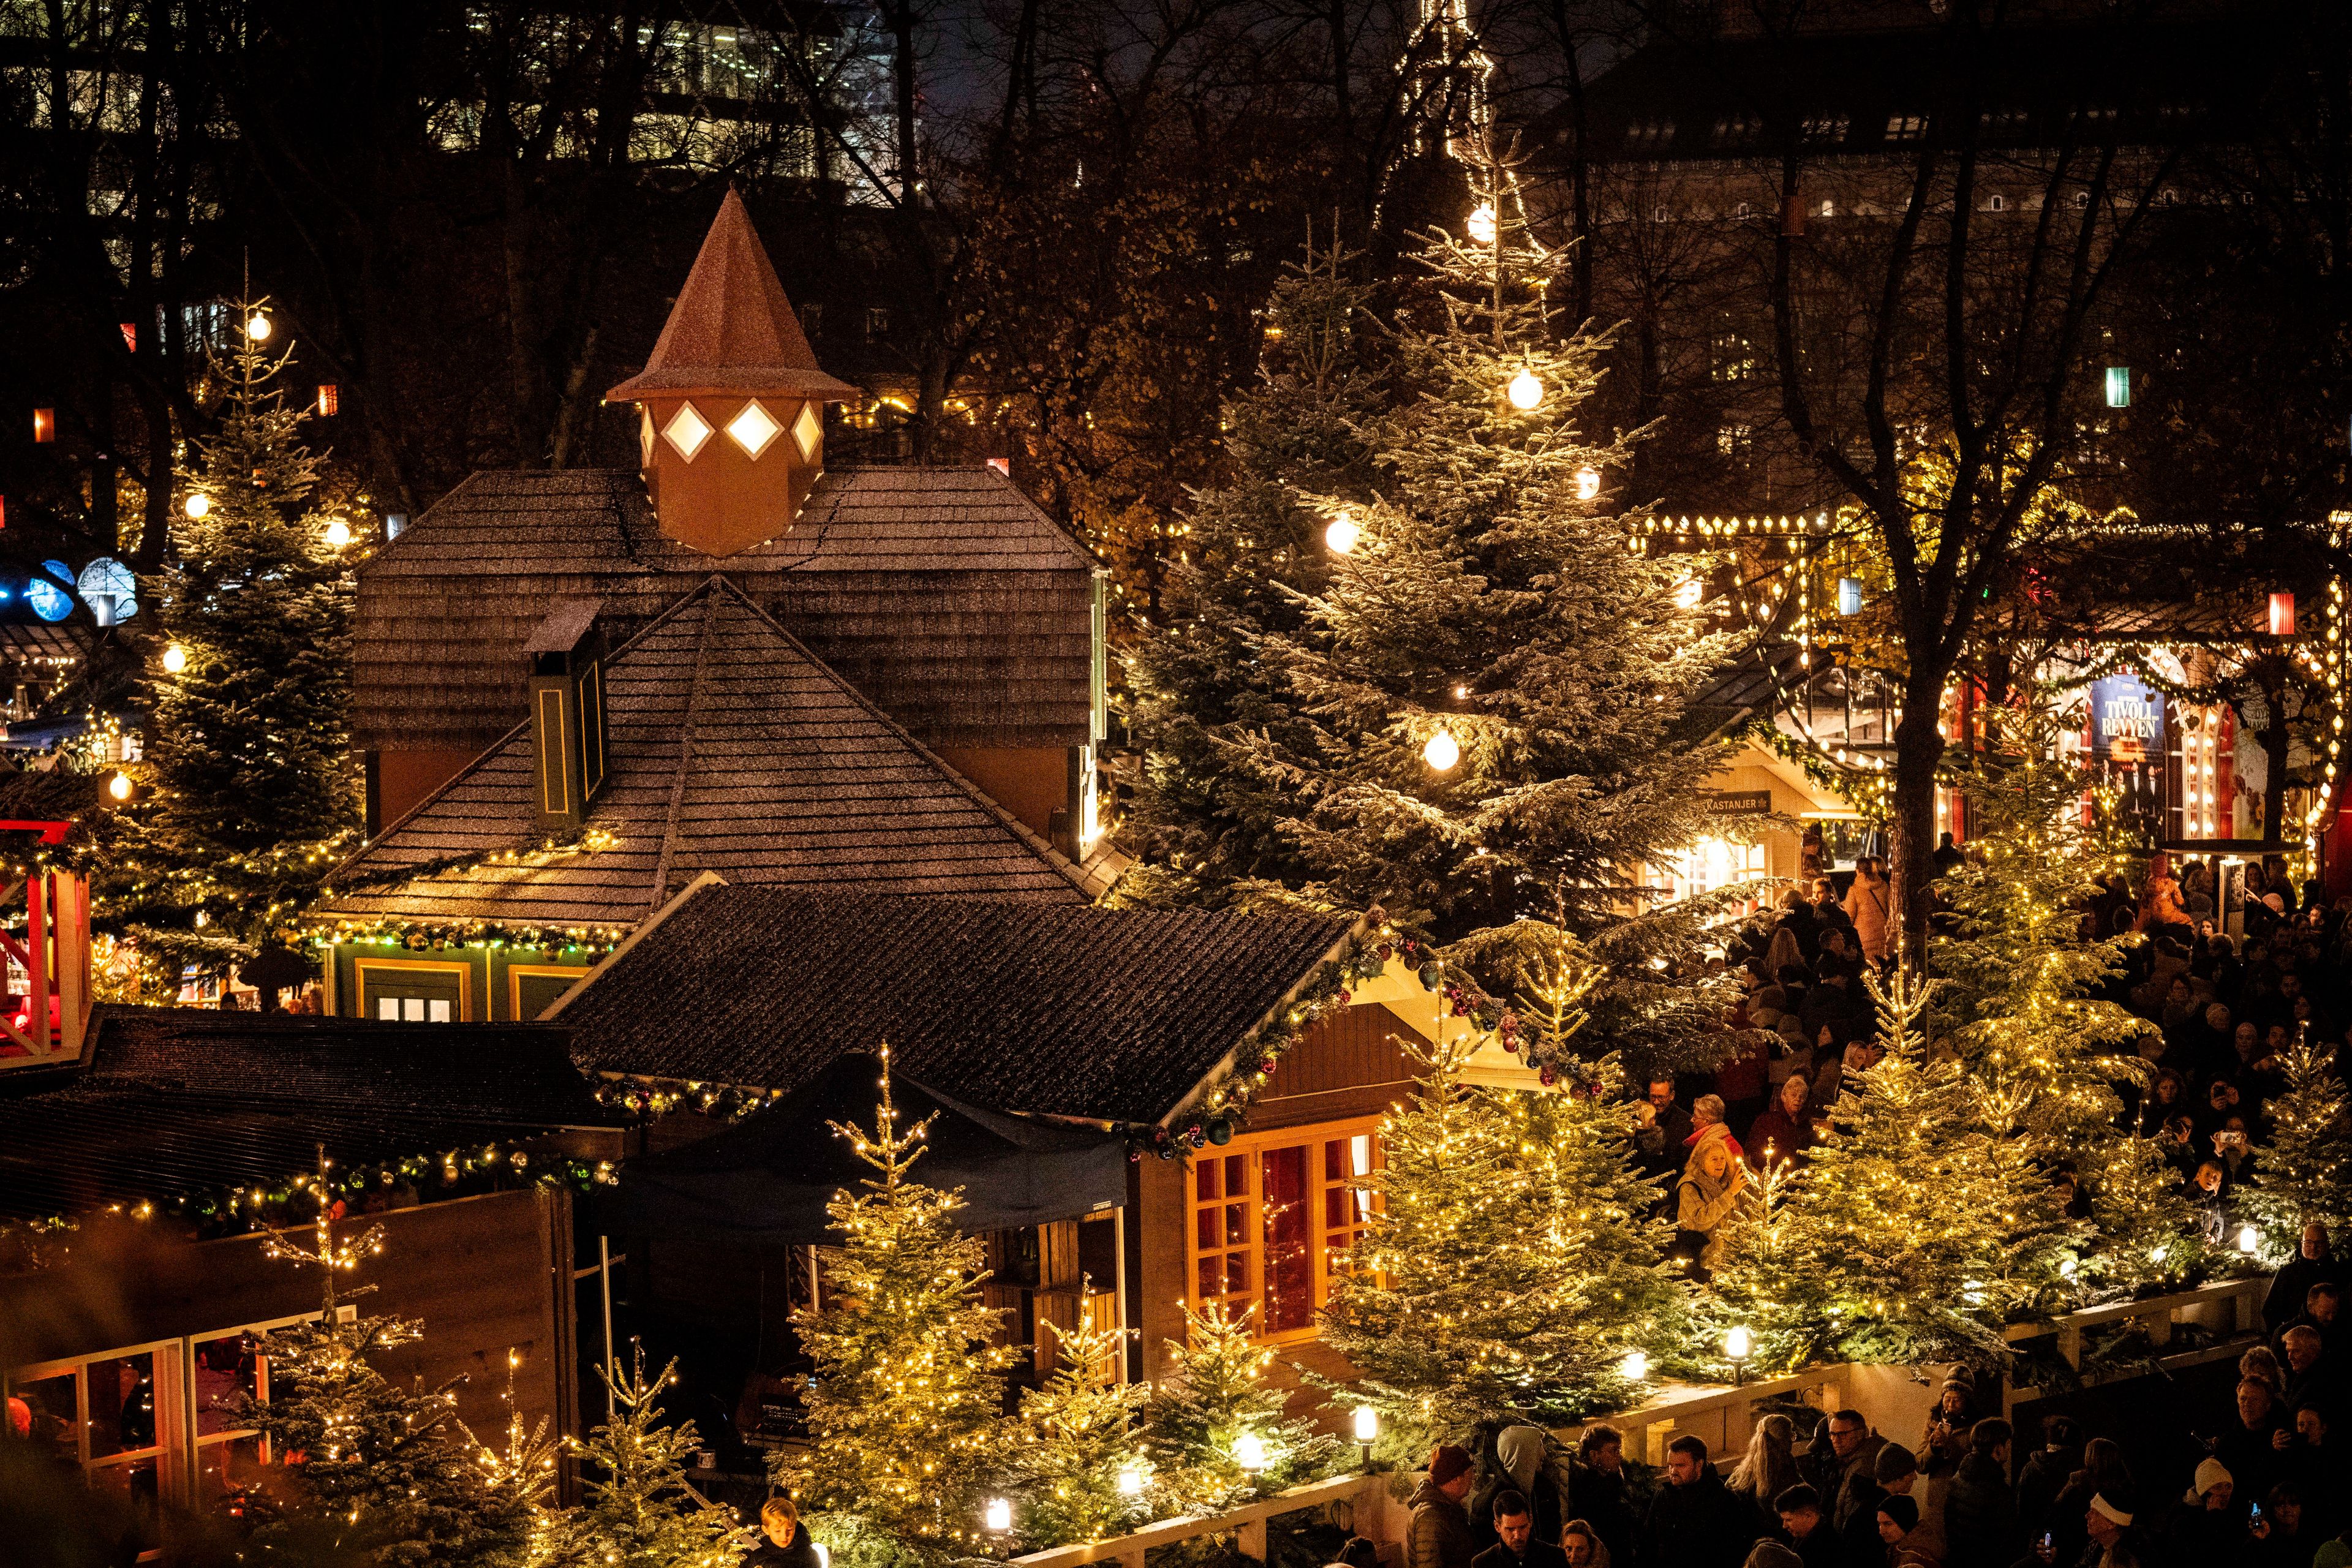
x=119, y=786
x=1341, y=536
x=1634, y=1367
x=339, y=533
x=1442, y=751
x=1588, y=481
x=257, y=327
x=197, y=504
x=1482, y=223
x=175, y=658
x=1688, y=593
x=1525, y=391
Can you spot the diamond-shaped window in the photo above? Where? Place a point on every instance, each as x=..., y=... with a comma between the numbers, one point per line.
x=753, y=428
x=808, y=430
x=687, y=431
x=645, y=437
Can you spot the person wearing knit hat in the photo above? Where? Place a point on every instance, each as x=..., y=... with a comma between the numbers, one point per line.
x=2215, y=1486
x=1898, y=1517
x=1440, y=1535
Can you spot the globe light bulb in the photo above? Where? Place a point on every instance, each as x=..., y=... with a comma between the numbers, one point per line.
x=197, y=504
x=257, y=327
x=998, y=1515
x=2248, y=1240
x=1442, y=751
x=1481, y=224
x=1367, y=1424
x=1634, y=1367
x=175, y=658
x=1737, y=1344
x=119, y=786
x=1688, y=593
x=1588, y=481
x=339, y=533
x=1341, y=536
x=1249, y=1452
x=1525, y=392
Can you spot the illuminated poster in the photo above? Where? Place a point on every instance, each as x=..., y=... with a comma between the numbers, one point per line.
x=2127, y=721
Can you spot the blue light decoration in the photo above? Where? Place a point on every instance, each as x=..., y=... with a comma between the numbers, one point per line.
x=50, y=602
x=2119, y=386
x=1849, y=595
x=60, y=571
x=107, y=586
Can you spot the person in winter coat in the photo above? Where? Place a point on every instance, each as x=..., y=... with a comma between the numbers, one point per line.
x=1523, y=1465
x=2103, y=1474
x=783, y=1540
x=1440, y=1534
x=1516, y=1545
x=2313, y=1264
x=1843, y=1453
x=1582, y=1546
x=1979, y=1509
x=1898, y=1520
x=1706, y=1195
x=2045, y=1473
x=2210, y=1522
x=1695, y=1522
x=2278, y=1539
x=2248, y=1451
x=1768, y=1469
x=1947, y=1438
x=1785, y=1132
x=1804, y=1528
x=1869, y=903
x=1597, y=1490
x=2313, y=1462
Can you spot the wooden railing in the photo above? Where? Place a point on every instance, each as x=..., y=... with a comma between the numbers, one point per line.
x=1364, y=1497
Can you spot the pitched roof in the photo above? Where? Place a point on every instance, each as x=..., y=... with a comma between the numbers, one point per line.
x=733, y=329
x=186, y=1101
x=1054, y=1009
x=944, y=595
x=732, y=749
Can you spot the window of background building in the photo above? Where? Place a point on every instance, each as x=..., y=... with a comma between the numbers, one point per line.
x=1274, y=1218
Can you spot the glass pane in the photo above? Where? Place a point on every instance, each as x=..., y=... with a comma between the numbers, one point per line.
x=438, y=1011
x=1237, y=1273
x=122, y=1405
x=49, y=1410
x=1236, y=1225
x=388, y=1007
x=132, y=1481
x=1213, y=1283
x=1335, y=1205
x=1289, y=1229
x=1236, y=1175
x=228, y=1469
x=1334, y=1165
x=1204, y=1179
x=226, y=1368
x=1206, y=1229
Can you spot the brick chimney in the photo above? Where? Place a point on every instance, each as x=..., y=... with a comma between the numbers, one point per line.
x=731, y=407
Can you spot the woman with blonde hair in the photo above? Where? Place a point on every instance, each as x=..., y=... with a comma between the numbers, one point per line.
x=1768, y=1467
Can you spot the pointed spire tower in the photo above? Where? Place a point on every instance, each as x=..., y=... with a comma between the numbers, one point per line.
x=731, y=407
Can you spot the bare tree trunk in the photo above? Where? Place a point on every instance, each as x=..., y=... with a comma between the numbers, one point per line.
x=1918, y=750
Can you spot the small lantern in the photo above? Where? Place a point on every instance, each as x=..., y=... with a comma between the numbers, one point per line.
x=258, y=327
x=197, y=504
x=1849, y=595
x=119, y=786
x=2248, y=1238
x=1249, y=1452
x=1634, y=1367
x=45, y=425
x=175, y=659
x=2282, y=615
x=2119, y=386
x=998, y=1517
x=1130, y=1479
x=339, y=533
x=329, y=399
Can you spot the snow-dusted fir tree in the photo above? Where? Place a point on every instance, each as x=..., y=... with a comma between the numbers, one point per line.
x=2306, y=1171
x=250, y=792
x=1214, y=1429
x=906, y=1406
x=639, y=1512
x=2017, y=981
x=1513, y=1257
x=1080, y=1444
x=1927, y=1215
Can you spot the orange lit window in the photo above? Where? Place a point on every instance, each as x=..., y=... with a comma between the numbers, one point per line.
x=1274, y=1216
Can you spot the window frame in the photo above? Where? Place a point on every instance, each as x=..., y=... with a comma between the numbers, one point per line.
x=1251, y=1148
x=361, y=968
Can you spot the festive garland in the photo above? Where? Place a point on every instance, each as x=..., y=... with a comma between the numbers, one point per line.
x=659, y=1096
x=437, y=936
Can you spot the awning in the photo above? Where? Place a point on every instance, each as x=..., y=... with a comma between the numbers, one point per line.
x=765, y=1181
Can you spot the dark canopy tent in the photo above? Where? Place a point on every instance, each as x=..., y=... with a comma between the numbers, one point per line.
x=765, y=1181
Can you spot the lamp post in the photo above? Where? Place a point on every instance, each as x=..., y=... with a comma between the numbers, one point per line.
x=1735, y=1347
x=1368, y=1428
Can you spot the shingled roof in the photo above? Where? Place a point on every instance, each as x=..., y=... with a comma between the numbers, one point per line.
x=732, y=750
x=1111, y=1014
x=944, y=594
x=180, y=1102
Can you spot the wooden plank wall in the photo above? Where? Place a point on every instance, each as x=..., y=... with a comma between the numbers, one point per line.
x=484, y=1274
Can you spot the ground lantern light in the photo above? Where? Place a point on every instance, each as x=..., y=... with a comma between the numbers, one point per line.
x=1249, y=1452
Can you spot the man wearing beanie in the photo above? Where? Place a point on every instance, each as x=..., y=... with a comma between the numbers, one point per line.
x=2210, y=1525
x=1441, y=1528
x=1898, y=1518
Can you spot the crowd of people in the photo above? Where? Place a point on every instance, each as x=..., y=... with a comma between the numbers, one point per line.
x=2264, y=1483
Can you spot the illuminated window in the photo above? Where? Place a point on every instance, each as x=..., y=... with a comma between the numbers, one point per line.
x=687, y=431
x=808, y=432
x=1906, y=128
x=414, y=991
x=753, y=428
x=1274, y=1218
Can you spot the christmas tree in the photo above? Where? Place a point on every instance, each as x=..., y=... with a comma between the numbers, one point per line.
x=639, y=1514
x=2305, y=1173
x=1214, y=1430
x=906, y=1407
x=1924, y=1210
x=1768, y=1284
x=2018, y=979
x=376, y=1472
x=252, y=788
x=1080, y=1469
x=1513, y=1259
